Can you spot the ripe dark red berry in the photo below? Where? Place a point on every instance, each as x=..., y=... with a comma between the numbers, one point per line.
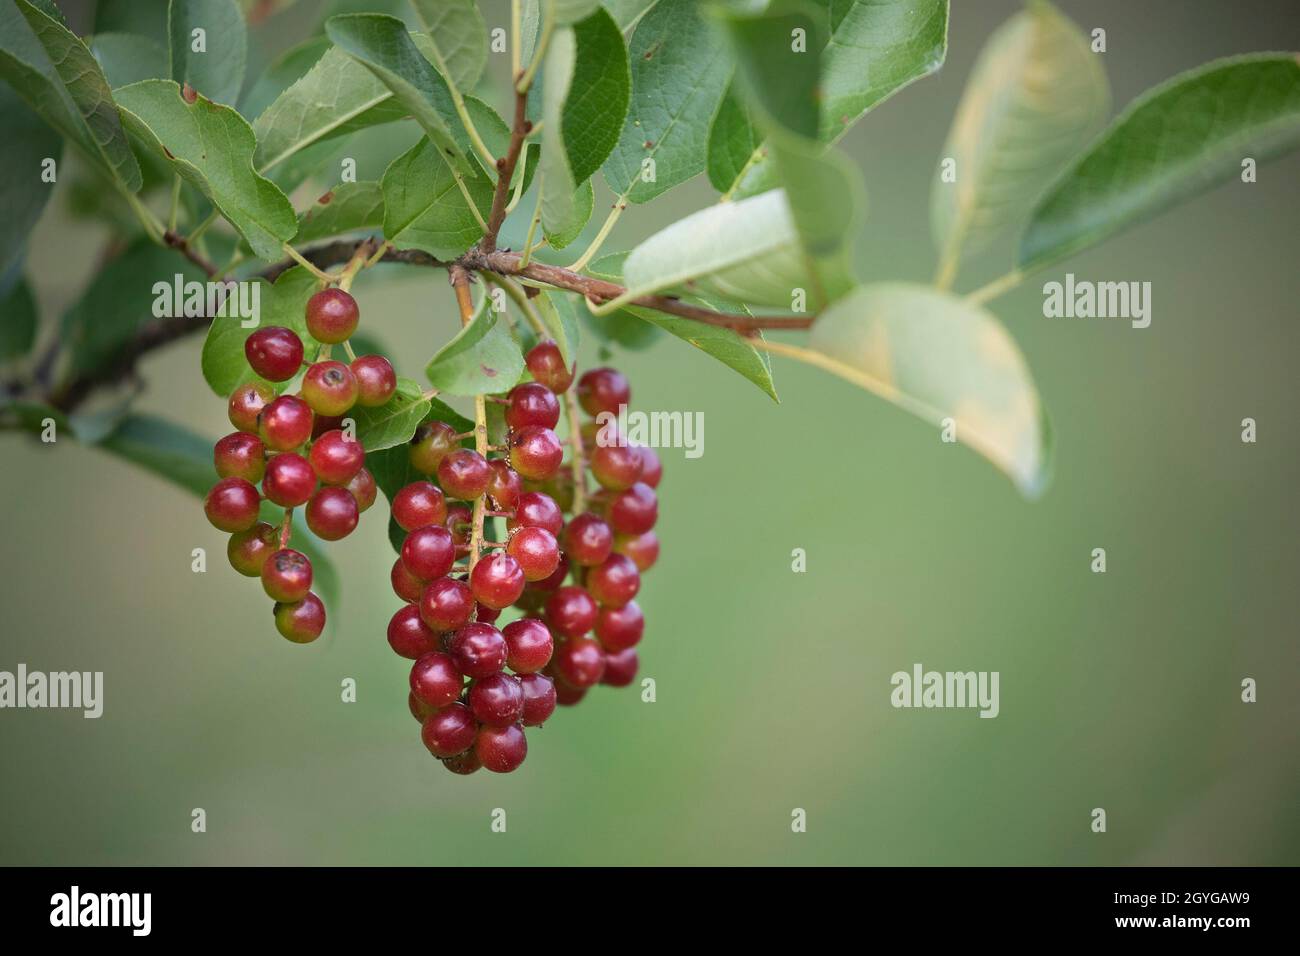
x=555, y=580
x=478, y=650
x=603, y=390
x=532, y=403
x=285, y=423
x=332, y=316
x=535, y=452
x=570, y=611
x=362, y=488
x=232, y=504
x=588, y=540
x=567, y=696
x=505, y=486
x=428, y=552
x=376, y=380
x=446, y=604
x=488, y=615
x=300, y=621
x=240, y=455
x=579, y=661
x=246, y=403
x=539, y=698
x=418, y=504
x=497, y=580
x=643, y=549
x=435, y=679
x=620, y=668
x=275, y=353
x=464, y=474
x=463, y=764
x=620, y=627
x=528, y=645
x=325, y=423
x=248, y=550
x=546, y=365
x=409, y=636
x=536, y=510
x=336, y=458
x=497, y=700
x=405, y=584
x=449, y=731
x=332, y=513
x=460, y=523
x=537, y=552
x=614, y=582
x=652, y=470
x=289, y=480
x=634, y=511
x=501, y=749
x=430, y=444
x=286, y=576
x=419, y=709
x=329, y=388
x=616, y=467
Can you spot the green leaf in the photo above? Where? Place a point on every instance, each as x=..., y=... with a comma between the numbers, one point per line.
x=561, y=325
x=425, y=209
x=23, y=195
x=1036, y=96
x=382, y=45
x=131, y=16
x=482, y=358
x=558, y=183
x=18, y=320
x=733, y=140
x=1172, y=142
x=597, y=100
x=128, y=58
x=571, y=11
x=460, y=37
x=679, y=74
x=56, y=74
x=225, y=367
x=394, y=422
x=938, y=357
x=216, y=71
x=627, y=12
x=211, y=146
x=287, y=69
x=348, y=207
x=584, y=199
x=31, y=416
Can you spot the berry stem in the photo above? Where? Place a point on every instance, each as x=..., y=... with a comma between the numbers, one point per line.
x=578, y=460
x=996, y=288
x=293, y=254
x=465, y=301
x=286, y=528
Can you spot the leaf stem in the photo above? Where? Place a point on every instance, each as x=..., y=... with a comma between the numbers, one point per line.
x=175, y=203
x=469, y=201
x=601, y=236
x=532, y=226
x=516, y=37
x=543, y=41
x=293, y=254
x=997, y=287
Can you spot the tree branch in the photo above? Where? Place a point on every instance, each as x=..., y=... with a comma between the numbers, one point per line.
x=506, y=170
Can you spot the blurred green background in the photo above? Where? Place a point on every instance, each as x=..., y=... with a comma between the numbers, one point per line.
x=1118, y=690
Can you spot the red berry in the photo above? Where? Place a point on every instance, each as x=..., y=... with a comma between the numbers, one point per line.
x=579, y=661
x=300, y=621
x=501, y=749
x=240, y=455
x=428, y=552
x=537, y=552
x=464, y=474
x=449, y=731
x=532, y=403
x=418, y=504
x=536, y=510
x=460, y=522
x=570, y=611
x=329, y=388
x=336, y=458
x=539, y=698
x=289, y=480
x=603, y=390
x=536, y=453
x=419, y=709
x=620, y=627
x=651, y=468
x=285, y=424
x=634, y=511
x=332, y=513
x=248, y=550
x=332, y=316
x=409, y=636
x=446, y=604
x=478, y=650
x=567, y=696
x=376, y=380
x=275, y=353
x=643, y=549
x=405, y=584
x=286, y=576
x=362, y=488
x=505, y=486
x=497, y=700
x=430, y=444
x=546, y=364
x=620, y=668
x=616, y=466
x=463, y=764
x=497, y=580
x=588, y=540
x=325, y=423
x=528, y=645
x=555, y=580
x=232, y=505
x=246, y=403
x=615, y=582
x=435, y=680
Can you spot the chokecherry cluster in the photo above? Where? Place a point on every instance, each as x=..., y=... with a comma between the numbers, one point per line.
x=294, y=447
x=571, y=565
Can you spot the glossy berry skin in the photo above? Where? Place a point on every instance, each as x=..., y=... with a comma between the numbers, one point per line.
x=335, y=458
x=497, y=580
x=329, y=388
x=643, y=549
x=419, y=709
x=652, y=469
x=603, y=390
x=588, y=540
x=501, y=749
x=449, y=731
x=567, y=696
x=614, y=582
x=463, y=764
x=616, y=467
x=332, y=316
x=435, y=679
x=535, y=452
x=579, y=662
x=232, y=505
x=285, y=424
x=240, y=455
x=376, y=380
x=497, y=700
x=478, y=650
x=428, y=552
x=619, y=628
x=505, y=486
x=325, y=423
x=460, y=523
x=419, y=504
x=488, y=615
x=536, y=510
x=532, y=403
x=405, y=584
x=539, y=699
x=275, y=353
x=332, y=513
x=430, y=444
x=289, y=480
x=528, y=645
x=300, y=621
x=634, y=511
x=546, y=365
x=446, y=604
x=537, y=552
x=409, y=636
x=464, y=474
x=286, y=576
x=248, y=550
x=570, y=611
x=362, y=488
x=620, y=668
x=246, y=403
x=555, y=580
